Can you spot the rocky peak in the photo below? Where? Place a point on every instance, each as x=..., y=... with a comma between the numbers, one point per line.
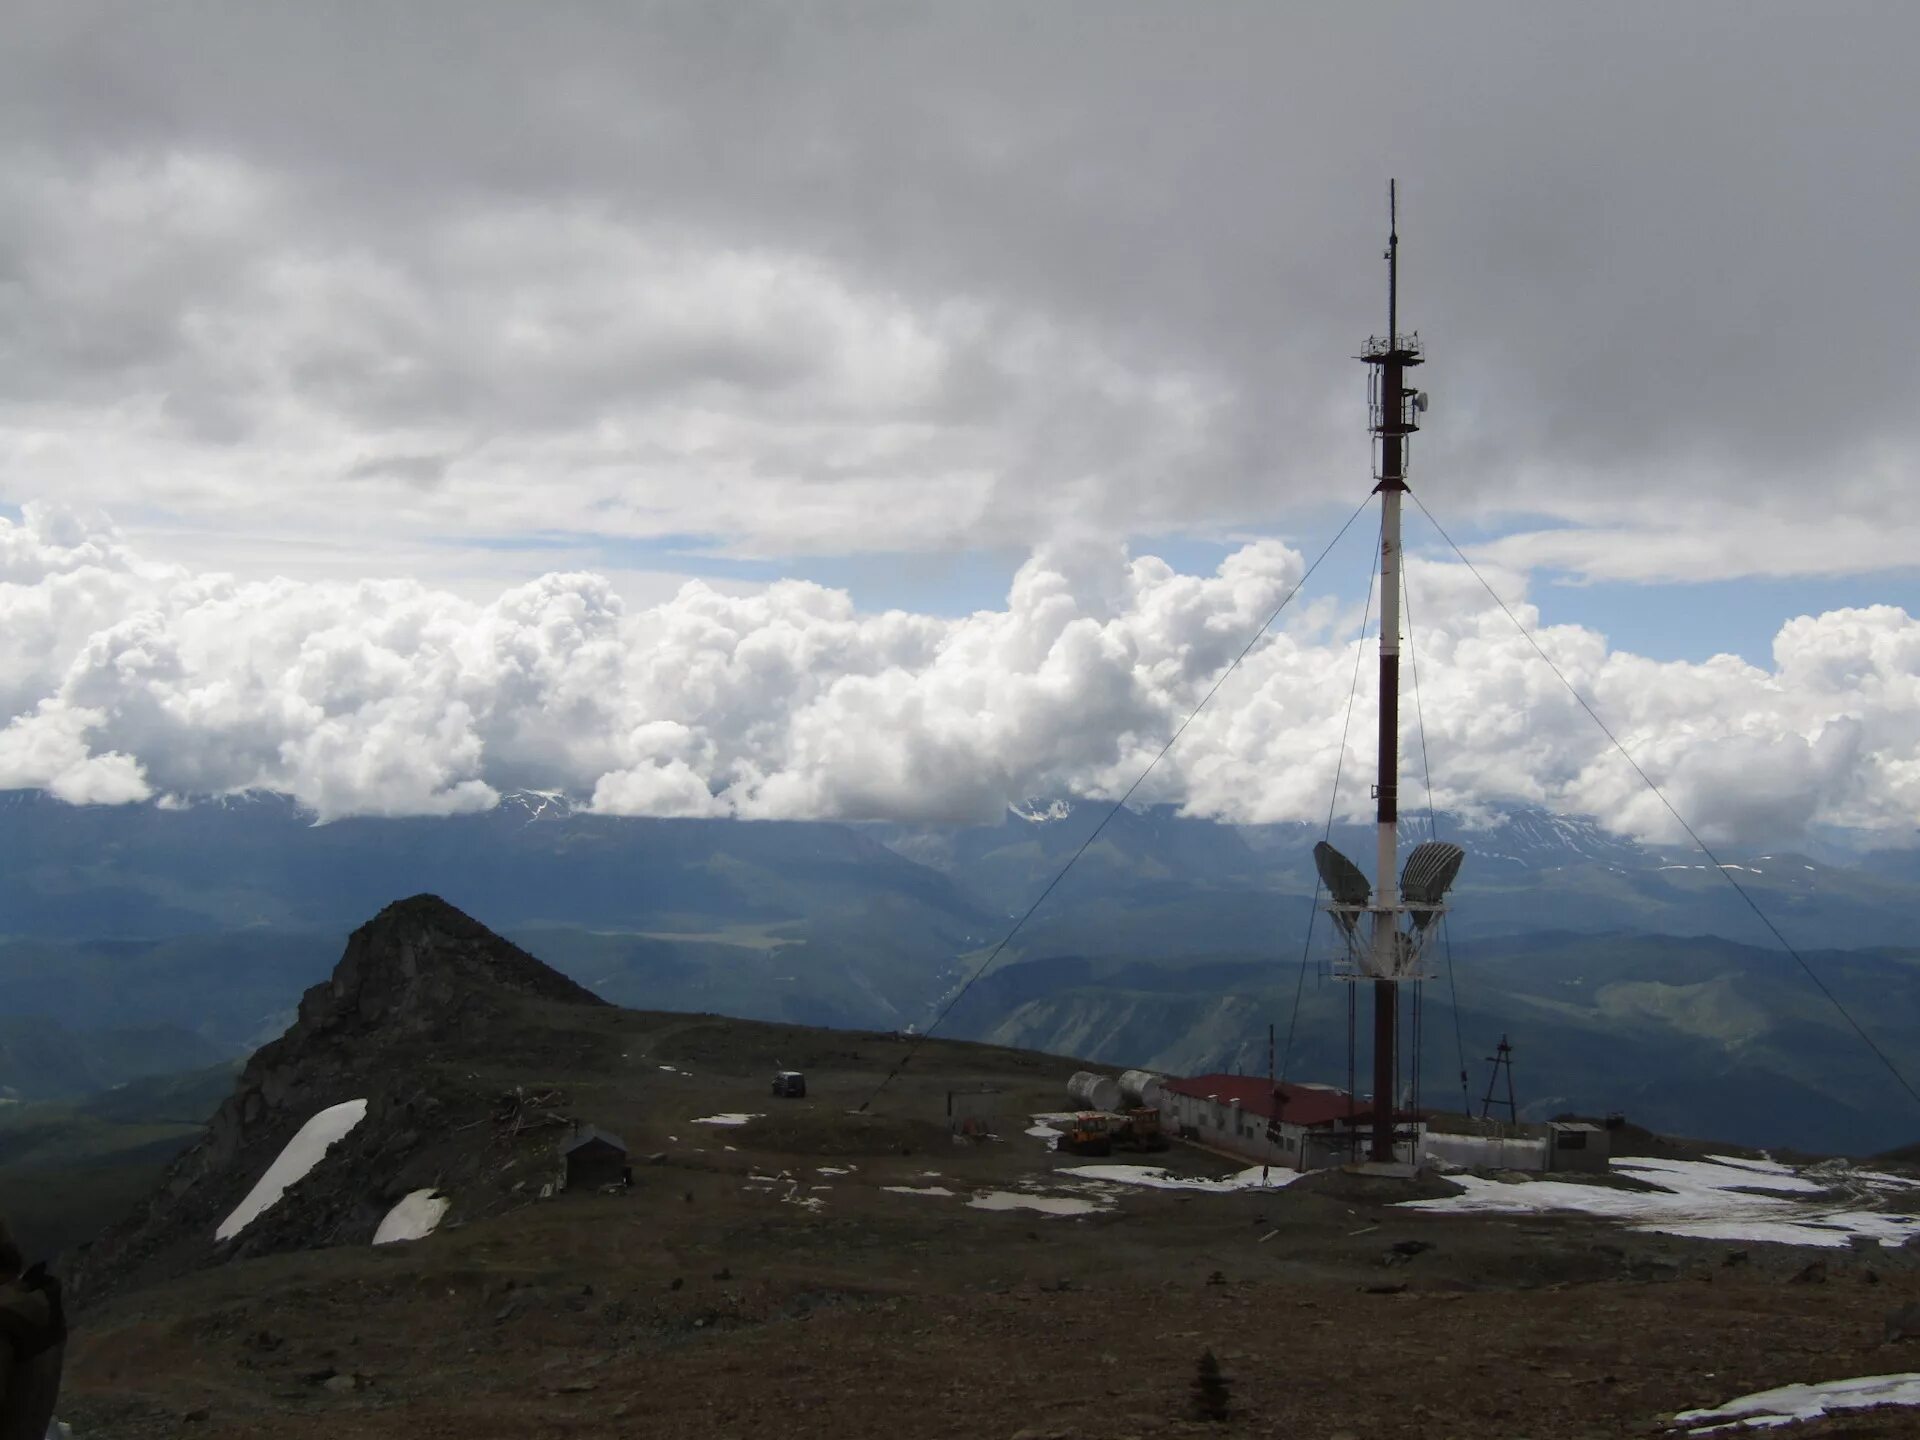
x=420, y=964
x=423, y=998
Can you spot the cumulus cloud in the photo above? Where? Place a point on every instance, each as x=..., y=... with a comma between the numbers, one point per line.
x=129, y=681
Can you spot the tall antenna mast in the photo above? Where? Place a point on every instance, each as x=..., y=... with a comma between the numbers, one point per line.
x=1392, y=422
x=1385, y=950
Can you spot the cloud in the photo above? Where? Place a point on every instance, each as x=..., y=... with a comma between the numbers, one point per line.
x=924, y=278
x=502, y=371
x=129, y=681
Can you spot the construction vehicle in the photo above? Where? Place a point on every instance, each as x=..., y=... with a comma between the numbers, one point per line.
x=1098, y=1132
x=1138, y=1129
x=1086, y=1134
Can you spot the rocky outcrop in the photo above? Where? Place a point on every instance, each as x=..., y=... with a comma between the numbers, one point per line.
x=422, y=998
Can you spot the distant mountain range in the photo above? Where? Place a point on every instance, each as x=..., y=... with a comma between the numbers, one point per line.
x=1629, y=977
x=1154, y=878
x=42, y=1059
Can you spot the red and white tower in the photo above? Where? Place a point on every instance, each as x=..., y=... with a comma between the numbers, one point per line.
x=1400, y=908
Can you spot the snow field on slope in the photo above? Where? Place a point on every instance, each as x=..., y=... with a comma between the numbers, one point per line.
x=1770, y=1408
x=1704, y=1199
x=304, y=1151
x=414, y=1218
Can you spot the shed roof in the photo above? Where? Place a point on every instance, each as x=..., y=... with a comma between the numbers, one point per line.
x=1308, y=1105
x=586, y=1135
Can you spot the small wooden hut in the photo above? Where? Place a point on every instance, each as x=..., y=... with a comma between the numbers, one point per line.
x=591, y=1157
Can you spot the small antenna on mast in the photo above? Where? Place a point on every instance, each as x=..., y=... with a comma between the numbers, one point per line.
x=1393, y=264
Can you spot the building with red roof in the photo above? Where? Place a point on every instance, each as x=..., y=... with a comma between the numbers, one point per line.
x=1303, y=1127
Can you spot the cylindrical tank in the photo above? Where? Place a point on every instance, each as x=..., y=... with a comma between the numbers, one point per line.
x=1140, y=1087
x=1094, y=1092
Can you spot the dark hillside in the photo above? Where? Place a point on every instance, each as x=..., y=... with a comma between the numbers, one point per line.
x=422, y=992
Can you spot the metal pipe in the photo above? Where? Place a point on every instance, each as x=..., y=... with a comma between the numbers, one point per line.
x=1385, y=996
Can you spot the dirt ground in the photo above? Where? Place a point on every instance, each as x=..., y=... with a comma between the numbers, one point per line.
x=708, y=1302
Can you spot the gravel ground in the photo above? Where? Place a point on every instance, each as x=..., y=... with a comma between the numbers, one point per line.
x=727, y=1295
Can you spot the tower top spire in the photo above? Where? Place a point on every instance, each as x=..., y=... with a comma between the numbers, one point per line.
x=1393, y=346
x=1393, y=260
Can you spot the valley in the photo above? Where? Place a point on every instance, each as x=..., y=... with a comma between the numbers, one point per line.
x=1628, y=979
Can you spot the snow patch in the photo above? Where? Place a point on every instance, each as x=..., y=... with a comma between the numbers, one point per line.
x=1158, y=1179
x=414, y=1218
x=1769, y=1408
x=731, y=1117
x=918, y=1190
x=1703, y=1199
x=1045, y=1204
x=304, y=1151
x=1766, y=1166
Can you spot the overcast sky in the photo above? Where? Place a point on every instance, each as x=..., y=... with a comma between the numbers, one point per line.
x=900, y=299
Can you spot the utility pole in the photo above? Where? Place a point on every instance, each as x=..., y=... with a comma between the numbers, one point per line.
x=1501, y=1060
x=1273, y=1089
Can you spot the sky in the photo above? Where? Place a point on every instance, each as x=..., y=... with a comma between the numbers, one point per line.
x=831, y=409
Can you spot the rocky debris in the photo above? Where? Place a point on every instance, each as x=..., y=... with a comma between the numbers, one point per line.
x=1355, y=1187
x=1813, y=1274
x=515, y=1111
x=1903, y=1323
x=419, y=985
x=1401, y=1251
